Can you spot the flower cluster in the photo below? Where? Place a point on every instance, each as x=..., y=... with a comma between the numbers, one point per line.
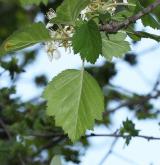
x=60, y=37
x=100, y=6
x=103, y=6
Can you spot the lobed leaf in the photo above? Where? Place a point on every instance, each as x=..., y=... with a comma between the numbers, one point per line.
x=25, y=37
x=69, y=10
x=87, y=41
x=114, y=45
x=76, y=100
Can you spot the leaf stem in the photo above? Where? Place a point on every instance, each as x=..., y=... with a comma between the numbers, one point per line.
x=120, y=4
x=83, y=61
x=114, y=26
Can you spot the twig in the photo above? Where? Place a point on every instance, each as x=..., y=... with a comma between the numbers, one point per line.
x=155, y=88
x=46, y=134
x=115, y=26
x=63, y=136
x=5, y=129
x=154, y=94
x=51, y=143
x=10, y=137
x=123, y=136
x=2, y=72
x=123, y=104
x=21, y=160
x=109, y=152
x=124, y=158
x=121, y=89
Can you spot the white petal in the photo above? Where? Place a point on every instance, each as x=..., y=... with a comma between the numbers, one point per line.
x=51, y=14
x=49, y=25
x=56, y=54
x=125, y=1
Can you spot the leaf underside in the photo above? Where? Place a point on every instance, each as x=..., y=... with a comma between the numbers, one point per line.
x=114, y=45
x=76, y=100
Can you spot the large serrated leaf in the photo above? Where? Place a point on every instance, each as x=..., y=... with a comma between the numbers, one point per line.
x=87, y=41
x=25, y=37
x=114, y=45
x=69, y=10
x=76, y=100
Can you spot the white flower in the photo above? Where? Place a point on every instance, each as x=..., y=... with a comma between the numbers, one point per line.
x=49, y=25
x=52, y=33
x=51, y=14
x=84, y=12
x=125, y=1
x=52, y=50
x=57, y=54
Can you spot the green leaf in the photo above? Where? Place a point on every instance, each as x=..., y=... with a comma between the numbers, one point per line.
x=129, y=129
x=122, y=15
x=76, y=100
x=56, y=160
x=30, y=2
x=137, y=35
x=114, y=45
x=87, y=41
x=11, y=66
x=25, y=37
x=132, y=34
x=69, y=10
x=149, y=20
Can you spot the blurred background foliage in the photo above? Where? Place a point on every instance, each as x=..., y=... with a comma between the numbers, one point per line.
x=27, y=135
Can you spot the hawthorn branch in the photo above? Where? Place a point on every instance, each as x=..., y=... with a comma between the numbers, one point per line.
x=154, y=94
x=125, y=159
x=139, y=101
x=51, y=143
x=109, y=152
x=5, y=129
x=123, y=136
x=116, y=135
x=3, y=125
x=113, y=27
x=2, y=72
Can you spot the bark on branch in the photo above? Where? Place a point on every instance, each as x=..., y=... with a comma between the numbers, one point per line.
x=115, y=26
